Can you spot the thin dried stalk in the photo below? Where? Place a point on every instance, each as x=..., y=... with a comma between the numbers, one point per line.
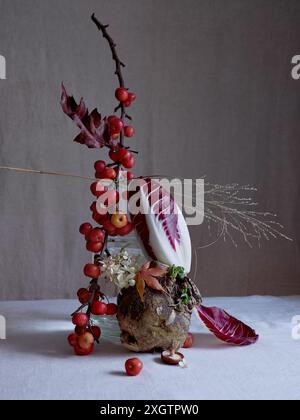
x=227, y=208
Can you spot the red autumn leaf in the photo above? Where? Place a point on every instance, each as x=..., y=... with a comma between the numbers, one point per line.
x=140, y=285
x=226, y=327
x=93, y=129
x=148, y=276
x=153, y=283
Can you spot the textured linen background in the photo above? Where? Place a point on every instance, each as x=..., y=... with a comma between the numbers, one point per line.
x=215, y=97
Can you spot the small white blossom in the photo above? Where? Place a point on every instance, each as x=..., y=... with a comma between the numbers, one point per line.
x=121, y=268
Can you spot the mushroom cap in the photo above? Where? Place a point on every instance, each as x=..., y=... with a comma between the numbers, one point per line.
x=171, y=358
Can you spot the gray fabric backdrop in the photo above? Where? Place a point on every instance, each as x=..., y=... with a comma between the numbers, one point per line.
x=215, y=97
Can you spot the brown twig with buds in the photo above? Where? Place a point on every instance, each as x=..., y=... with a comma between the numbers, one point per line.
x=119, y=66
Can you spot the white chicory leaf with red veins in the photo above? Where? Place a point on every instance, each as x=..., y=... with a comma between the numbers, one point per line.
x=161, y=227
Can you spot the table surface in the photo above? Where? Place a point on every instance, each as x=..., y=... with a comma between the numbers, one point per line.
x=37, y=363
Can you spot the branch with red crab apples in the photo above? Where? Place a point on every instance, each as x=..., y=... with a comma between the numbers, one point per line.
x=97, y=133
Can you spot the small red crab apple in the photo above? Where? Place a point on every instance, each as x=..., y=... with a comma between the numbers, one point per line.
x=83, y=352
x=80, y=330
x=121, y=94
x=96, y=332
x=83, y=296
x=128, y=162
x=119, y=220
x=72, y=339
x=115, y=125
x=85, y=228
x=86, y=340
x=115, y=136
x=99, y=308
x=124, y=231
x=133, y=366
x=126, y=158
x=93, y=206
x=100, y=166
x=99, y=218
x=98, y=188
x=95, y=235
x=80, y=319
x=108, y=173
x=131, y=96
x=97, y=209
x=114, y=155
x=109, y=227
x=130, y=176
x=188, y=341
x=129, y=131
x=92, y=270
x=111, y=119
x=94, y=247
x=97, y=296
x=111, y=309
x=123, y=154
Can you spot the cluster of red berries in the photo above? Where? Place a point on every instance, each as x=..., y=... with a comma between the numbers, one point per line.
x=114, y=225
x=95, y=237
x=124, y=96
x=116, y=127
x=118, y=225
x=98, y=307
x=83, y=339
x=104, y=172
x=86, y=295
x=85, y=334
x=122, y=156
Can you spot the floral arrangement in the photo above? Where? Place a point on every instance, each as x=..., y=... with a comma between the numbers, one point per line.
x=163, y=280
x=156, y=297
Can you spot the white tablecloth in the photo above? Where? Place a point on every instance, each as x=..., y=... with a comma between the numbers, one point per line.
x=37, y=363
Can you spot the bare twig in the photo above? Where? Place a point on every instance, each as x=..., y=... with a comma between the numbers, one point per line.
x=119, y=65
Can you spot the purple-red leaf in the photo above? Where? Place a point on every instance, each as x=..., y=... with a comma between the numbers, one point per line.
x=226, y=327
x=93, y=129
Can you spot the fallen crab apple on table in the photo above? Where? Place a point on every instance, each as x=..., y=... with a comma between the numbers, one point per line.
x=164, y=239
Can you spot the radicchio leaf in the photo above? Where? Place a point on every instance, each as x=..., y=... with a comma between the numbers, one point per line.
x=226, y=327
x=161, y=226
x=163, y=208
x=93, y=129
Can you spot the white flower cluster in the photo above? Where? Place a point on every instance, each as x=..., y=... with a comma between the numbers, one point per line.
x=121, y=268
